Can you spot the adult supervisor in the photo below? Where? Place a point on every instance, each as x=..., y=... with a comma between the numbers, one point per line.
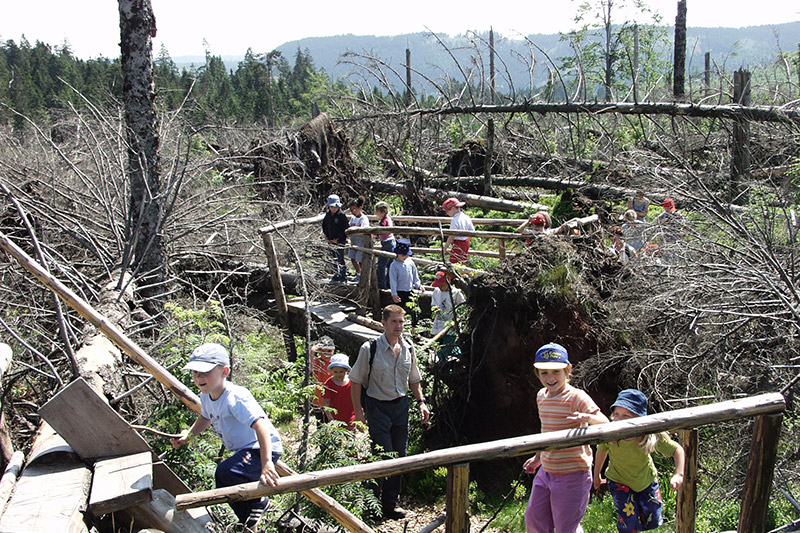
x=387, y=380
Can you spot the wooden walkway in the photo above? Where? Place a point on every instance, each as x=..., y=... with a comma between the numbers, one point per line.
x=331, y=319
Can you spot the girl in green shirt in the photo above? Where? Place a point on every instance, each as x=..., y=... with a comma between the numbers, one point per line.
x=632, y=476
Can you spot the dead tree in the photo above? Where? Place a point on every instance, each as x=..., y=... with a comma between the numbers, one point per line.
x=679, y=65
x=145, y=251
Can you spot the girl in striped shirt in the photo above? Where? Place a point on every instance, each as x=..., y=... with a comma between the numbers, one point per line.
x=560, y=491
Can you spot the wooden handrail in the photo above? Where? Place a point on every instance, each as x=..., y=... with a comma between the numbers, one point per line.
x=763, y=404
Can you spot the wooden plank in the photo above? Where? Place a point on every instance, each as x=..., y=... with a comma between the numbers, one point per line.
x=90, y=426
x=165, y=478
x=160, y=514
x=457, y=499
x=121, y=482
x=760, y=471
x=49, y=498
x=687, y=493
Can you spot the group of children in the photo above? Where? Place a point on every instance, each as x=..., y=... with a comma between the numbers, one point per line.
x=633, y=237
x=560, y=491
x=335, y=223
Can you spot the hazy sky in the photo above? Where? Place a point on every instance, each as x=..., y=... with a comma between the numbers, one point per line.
x=229, y=27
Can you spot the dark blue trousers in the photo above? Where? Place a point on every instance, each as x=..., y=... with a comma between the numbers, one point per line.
x=384, y=263
x=388, y=429
x=243, y=466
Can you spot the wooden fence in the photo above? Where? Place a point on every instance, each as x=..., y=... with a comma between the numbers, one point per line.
x=766, y=408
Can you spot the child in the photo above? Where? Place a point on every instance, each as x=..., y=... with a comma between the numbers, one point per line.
x=241, y=424
x=442, y=302
x=634, y=230
x=632, y=476
x=639, y=204
x=404, y=278
x=359, y=220
x=560, y=491
x=619, y=248
x=387, y=244
x=337, y=392
x=333, y=226
x=461, y=221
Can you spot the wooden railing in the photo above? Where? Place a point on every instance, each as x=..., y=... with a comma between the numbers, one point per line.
x=766, y=408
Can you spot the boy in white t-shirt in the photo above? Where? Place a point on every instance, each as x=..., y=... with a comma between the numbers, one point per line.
x=444, y=298
x=459, y=252
x=240, y=422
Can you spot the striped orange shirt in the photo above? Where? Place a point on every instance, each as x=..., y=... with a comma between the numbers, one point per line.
x=553, y=413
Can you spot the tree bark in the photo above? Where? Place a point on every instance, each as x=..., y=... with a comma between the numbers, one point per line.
x=137, y=28
x=679, y=63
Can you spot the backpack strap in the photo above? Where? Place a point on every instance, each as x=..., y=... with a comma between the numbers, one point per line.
x=373, y=347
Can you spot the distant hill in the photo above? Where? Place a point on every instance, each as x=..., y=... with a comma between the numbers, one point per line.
x=434, y=56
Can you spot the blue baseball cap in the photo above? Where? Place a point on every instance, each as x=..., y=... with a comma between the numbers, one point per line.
x=551, y=356
x=633, y=400
x=207, y=356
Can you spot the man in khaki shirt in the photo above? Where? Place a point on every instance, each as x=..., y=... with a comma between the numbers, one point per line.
x=393, y=372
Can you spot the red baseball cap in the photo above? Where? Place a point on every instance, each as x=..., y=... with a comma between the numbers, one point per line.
x=439, y=279
x=450, y=203
x=538, y=218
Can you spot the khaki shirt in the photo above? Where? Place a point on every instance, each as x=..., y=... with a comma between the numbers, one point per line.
x=390, y=377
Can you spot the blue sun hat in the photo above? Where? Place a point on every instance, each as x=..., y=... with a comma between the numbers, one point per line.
x=551, y=356
x=334, y=201
x=633, y=400
x=339, y=360
x=403, y=247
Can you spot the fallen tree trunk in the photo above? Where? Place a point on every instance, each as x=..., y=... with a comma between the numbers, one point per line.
x=755, y=113
x=472, y=200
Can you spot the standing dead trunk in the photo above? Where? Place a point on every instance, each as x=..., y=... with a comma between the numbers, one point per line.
x=145, y=251
x=679, y=66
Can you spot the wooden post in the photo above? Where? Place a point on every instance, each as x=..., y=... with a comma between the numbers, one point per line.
x=408, y=76
x=760, y=471
x=635, y=62
x=368, y=274
x=280, y=296
x=707, y=74
x=740, y=159
x=687, y=493
x=501, y=248
x=457, y=503
x=679, y=63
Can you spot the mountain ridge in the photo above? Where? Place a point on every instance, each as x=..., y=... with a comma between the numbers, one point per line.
x=434, y=56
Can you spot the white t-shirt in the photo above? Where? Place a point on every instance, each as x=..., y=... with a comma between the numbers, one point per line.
x=441, y=300
x=359, y=222
x=461, y=221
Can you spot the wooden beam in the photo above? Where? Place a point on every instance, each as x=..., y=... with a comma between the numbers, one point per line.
x=457, y=499
x=291, y=223
x=10, y=476
x=91, y=427
x=687, y=493
x=130, y=348
x=760, y=471
x=526, y=445
x=416, y=230
x=159, y=514
x=121, y=482
x=49, y=497
x=280, y=296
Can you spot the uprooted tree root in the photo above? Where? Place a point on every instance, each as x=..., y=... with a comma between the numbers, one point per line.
x=551, y=292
